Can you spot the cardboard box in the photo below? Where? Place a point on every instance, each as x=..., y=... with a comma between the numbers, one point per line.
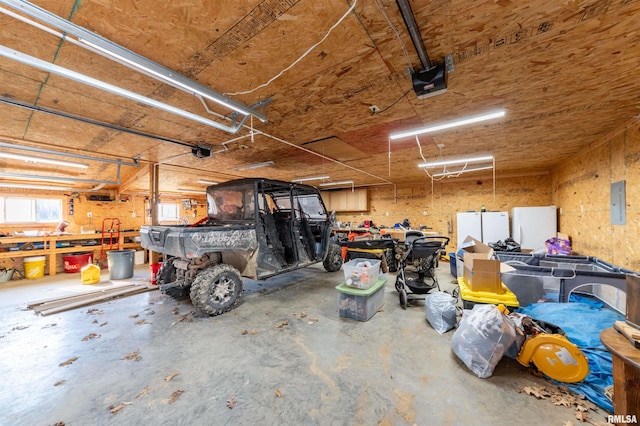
x=481, y=272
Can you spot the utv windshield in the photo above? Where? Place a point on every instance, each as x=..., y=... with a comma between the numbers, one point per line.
x=231, y=204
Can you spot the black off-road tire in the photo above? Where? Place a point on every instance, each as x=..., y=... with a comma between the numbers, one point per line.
x=216, y=289
x=333, y=261
x=167, y=274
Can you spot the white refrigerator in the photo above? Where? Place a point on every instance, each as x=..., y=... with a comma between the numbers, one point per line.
x=532, y=226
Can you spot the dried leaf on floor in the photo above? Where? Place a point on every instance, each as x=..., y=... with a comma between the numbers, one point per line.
x=142, y=321
x=278, y=393
x=135, y=355
x=20, y=327
x=244, y=332
x=90, y=336
x=94, y=311
x=115, y=408
x=175, y=396
x=313, y=320
x=171, y=376
x=69, y=361
x=104, y=323
x=151, y=312
x=50, y=325
x=282, y=324
x=133, y=316
x=303, y=314
x=143, y=392
x=254, y=331
x=561, y=400
x=231, y=402
x=382, y=310
x=536, y=391
x=95, y=321
x=60, y=382
x=60, y=423
x=582, y=416
x=568, y=423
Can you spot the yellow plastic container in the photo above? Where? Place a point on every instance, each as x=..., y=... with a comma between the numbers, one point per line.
x=90, y=274
x=506, y=297
x=34, y=267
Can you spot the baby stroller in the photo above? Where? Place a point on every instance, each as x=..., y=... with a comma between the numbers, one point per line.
x=417, y=267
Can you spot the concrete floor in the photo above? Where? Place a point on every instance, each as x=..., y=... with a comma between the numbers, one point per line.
x=391, y=370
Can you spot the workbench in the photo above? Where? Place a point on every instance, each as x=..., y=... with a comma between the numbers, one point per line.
x=626, y=373
x=51, y=246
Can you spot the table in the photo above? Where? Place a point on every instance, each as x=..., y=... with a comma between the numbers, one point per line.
x=626, y=373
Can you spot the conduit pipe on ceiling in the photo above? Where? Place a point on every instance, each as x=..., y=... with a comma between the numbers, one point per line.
x=130, y=59
x=98, y=84
x=414, y=32
x=58, y=178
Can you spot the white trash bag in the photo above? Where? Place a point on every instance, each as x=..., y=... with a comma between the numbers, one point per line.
x=482, y=338
x=440, y=311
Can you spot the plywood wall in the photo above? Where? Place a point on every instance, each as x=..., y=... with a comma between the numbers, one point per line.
x=437, y=207
x=581, y=188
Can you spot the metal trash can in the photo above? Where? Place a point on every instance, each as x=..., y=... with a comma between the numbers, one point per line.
x=120, y=264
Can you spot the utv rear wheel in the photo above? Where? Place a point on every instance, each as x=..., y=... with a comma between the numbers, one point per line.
x=166, y=275
x=333, y=261
x=216, y=289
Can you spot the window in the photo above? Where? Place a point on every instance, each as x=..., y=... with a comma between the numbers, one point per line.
x=30, y=210
x=168, y=211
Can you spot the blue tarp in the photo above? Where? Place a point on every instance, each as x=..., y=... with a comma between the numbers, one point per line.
x=583, y=321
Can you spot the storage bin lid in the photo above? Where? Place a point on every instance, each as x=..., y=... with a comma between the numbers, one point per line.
x=343, y=288
x=34, y=259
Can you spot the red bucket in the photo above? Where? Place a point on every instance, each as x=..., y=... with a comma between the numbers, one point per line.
x=153, y=269
x=74, y=262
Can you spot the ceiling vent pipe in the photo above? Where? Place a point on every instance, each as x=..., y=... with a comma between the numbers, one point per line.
x=432, y=80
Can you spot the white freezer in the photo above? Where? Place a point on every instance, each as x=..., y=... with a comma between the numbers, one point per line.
x=532, y=226
x=469, y=223
x=495, y=226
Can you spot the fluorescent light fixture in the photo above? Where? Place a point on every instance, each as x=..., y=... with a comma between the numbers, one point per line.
x=449, y=124
x=255, y=166
x=207, y=182
x=457, y=161
x=451, y=173
x=189, y=191
x=307, y=179
x=32, y=159
x=41, y=187
x=342, y=182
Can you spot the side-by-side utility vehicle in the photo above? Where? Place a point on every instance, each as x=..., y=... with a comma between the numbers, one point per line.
x=255, y=228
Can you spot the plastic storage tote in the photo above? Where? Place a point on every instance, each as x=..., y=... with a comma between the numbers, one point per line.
x=361, y=273
x=358, y=304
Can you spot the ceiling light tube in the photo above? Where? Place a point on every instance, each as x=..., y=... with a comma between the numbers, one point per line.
x=457, y=161
x=476, y=169
x=207, y=182
x=189, y=191
x=342, y=182
x=448, y=124
x=310, y=178
x=127, y=57
x=32, y=159
x=255, y=166
x=81, y=78
x=41, y=187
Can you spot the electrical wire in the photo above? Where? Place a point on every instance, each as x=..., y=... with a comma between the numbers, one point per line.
x=393, y=104
x=300, y=58
x=396, y=32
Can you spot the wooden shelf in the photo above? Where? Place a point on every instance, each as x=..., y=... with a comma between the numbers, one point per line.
x=50, y=250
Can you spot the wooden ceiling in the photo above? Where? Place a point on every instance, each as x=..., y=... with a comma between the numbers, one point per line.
x=566, y=73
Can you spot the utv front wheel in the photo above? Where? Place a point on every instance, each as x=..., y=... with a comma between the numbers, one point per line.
x=216, y=289
x=333, y=261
